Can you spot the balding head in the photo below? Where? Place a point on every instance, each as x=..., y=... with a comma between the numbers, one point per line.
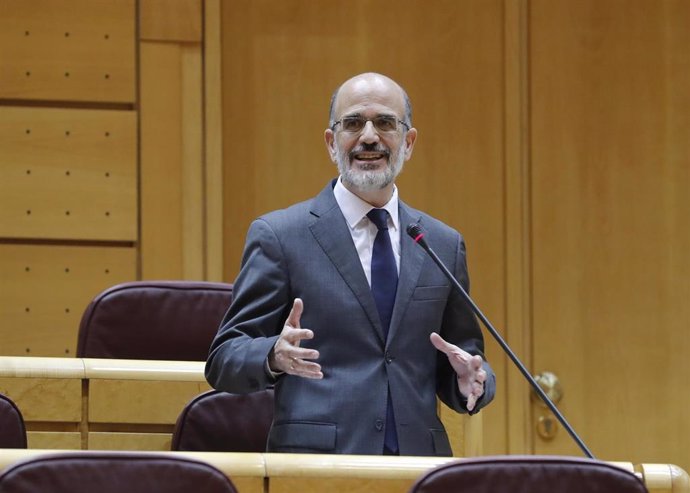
x=368, y=84
x=370, y=135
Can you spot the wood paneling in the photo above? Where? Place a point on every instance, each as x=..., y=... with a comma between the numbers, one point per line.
x=44, y=290
x=171, y=20
x=100, y=403
x=45, y=399
x=68, y=174
x=518, y=324
x=72, y=50
x=610, y=119
x=172, y=212
x=54, y=440
x=129, y=441
x=281, y=63
x=213, y=141
x=110, y=401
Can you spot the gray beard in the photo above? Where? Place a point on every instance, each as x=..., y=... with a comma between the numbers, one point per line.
x=370, y=180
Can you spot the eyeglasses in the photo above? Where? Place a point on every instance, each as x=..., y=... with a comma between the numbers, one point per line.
x=382, y=123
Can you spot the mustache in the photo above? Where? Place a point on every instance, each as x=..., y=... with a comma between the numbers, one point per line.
x=369, y=148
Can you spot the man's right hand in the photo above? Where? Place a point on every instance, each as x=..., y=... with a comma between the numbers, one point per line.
x=287, y=356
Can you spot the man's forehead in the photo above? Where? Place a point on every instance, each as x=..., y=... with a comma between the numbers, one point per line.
x=370, y=91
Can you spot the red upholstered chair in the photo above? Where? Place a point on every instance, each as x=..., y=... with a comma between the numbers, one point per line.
x=528, y=474
x=12, y=429
x=158, y=320
x=220, y=422
x=113, y=472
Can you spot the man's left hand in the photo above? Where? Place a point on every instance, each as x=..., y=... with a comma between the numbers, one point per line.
x=468, y=368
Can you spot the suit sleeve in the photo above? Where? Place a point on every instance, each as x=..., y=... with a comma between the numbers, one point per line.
x=460, y=327
x=249, y=330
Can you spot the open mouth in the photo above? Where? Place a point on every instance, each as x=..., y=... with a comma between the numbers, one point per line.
x=369, y=156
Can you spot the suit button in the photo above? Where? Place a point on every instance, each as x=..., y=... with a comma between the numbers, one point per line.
x=379, y=424
x=389, y=358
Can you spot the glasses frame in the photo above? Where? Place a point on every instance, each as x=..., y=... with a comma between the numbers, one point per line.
x=405, y=125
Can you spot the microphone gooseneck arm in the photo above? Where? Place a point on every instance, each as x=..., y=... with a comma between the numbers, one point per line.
x=415, y=231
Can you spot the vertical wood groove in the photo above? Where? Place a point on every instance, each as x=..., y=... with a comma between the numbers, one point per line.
x=517, y=214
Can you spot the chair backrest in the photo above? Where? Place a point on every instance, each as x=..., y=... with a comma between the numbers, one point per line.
x=113, y=472
x=220, y=422
x=528, y=474
x=159, y=320
x=12, y=429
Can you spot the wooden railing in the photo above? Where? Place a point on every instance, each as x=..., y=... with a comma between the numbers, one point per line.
x=89, y=404
x=282, y=473
x=83, y=403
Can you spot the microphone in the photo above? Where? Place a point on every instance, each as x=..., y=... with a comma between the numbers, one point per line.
x=415, y=231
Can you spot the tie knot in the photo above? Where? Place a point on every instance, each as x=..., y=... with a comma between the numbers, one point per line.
x=379, y=217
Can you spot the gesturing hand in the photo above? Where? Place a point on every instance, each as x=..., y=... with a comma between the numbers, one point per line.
x=287, y=356
x=470, y=374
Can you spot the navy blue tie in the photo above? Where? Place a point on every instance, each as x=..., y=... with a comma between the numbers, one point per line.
x=384, y=284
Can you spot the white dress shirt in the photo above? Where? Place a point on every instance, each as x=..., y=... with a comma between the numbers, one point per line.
x=362, y=229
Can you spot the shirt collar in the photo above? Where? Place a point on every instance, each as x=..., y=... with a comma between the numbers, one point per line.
x=355, y=209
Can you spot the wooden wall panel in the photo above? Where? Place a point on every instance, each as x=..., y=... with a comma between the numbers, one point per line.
x=68, y=174
x=72, y=50
x=157, y=402
x=49, y=400
x=213, y=141
x=610, y=119
x=172, y=212
x=44, y=290
x=54, y=440
x=171, y=20
x=281, y=63
x=129, y=441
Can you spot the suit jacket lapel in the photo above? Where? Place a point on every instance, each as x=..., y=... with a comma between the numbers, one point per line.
x=411, y=260
x=331, y=232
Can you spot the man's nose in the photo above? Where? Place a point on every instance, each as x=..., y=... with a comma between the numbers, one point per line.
x=369, y=133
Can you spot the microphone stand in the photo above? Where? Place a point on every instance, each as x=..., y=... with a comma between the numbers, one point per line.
x=415, y=231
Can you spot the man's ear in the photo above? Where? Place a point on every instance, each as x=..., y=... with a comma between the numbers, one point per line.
x=329, y=137
x=410, y=139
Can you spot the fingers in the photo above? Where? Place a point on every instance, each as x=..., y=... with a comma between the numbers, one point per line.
x=471, y=402
x=468, y=368
x=472, y=393
x=294, y=336
x=295, y=313
x=440, y=343
x=295, y=360
x=454, y=353
x=287, y=356
x=304, y=368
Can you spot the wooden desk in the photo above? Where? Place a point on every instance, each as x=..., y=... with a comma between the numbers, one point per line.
x=282, y=473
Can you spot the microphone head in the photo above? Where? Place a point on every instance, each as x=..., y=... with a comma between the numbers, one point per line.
x=417, y=234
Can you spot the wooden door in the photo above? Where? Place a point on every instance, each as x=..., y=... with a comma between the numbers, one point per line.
x=610, y=161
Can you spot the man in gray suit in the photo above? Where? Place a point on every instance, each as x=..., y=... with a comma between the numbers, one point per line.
x=352, y=376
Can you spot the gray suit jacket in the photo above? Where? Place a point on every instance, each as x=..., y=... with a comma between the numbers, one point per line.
x=306, y=251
